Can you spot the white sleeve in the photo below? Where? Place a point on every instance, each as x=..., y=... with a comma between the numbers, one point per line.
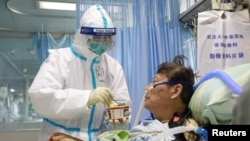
x=48, y=97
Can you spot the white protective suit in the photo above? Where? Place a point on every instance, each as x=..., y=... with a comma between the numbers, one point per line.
x=61, y=89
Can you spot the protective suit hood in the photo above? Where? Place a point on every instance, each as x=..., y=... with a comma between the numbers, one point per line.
x=97, y=17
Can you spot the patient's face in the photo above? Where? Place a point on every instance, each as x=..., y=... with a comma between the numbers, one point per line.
x=157, y=97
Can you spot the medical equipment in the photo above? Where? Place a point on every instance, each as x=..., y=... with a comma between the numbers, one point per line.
x=139, y=112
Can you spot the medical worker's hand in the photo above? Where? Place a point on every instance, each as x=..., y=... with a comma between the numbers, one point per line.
x=100, y=94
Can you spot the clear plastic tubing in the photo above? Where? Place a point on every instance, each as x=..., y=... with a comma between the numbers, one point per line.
x=181, y=129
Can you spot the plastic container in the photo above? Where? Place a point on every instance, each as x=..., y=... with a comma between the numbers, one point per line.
x=118, y=112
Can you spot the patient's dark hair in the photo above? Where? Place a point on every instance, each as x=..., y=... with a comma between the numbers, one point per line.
x=177, y=73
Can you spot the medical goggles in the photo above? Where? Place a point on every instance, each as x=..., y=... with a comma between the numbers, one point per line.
x=173, y=82
x=98, y=31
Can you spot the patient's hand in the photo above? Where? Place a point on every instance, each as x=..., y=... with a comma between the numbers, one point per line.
x=62, y=137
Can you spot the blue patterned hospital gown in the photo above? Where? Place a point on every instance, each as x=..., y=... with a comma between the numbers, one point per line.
x=148, y=129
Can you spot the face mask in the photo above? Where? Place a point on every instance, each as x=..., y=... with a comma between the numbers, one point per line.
x=98, y=47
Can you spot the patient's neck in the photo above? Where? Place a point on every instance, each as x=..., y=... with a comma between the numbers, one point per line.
x=166, y=115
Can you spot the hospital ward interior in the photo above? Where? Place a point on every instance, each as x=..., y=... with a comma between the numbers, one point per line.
x=213, y=35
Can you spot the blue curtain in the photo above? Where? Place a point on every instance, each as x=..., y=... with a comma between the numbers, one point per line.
x=42, y=43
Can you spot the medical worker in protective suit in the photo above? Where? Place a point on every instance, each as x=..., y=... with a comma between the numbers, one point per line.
x=74, y=85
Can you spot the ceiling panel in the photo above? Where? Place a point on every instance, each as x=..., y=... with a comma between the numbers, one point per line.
x=24, y=15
